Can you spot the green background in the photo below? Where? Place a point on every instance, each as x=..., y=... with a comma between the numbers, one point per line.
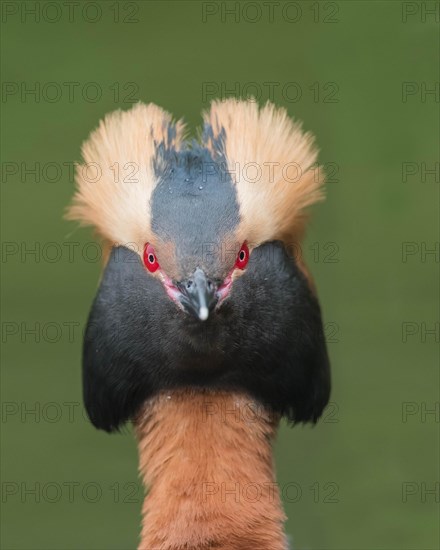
x=352, y=468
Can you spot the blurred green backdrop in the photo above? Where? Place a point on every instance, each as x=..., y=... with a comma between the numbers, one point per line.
x=363, y=76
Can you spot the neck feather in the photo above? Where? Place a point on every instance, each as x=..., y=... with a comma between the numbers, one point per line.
x=206, y=459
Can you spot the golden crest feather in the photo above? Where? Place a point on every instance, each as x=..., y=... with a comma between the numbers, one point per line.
x=273, y=163
x=271, y=160
x=115, y=183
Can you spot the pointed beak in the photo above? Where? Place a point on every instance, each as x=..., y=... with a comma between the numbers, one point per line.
x=198, y=295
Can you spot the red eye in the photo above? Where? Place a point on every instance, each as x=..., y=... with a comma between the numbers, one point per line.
x=242, y=257
x=150, y=260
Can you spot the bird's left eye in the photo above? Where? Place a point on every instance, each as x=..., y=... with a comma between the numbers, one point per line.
x=242, y=257
x=150, y=260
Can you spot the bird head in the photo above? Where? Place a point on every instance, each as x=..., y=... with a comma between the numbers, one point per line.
x=201, y=288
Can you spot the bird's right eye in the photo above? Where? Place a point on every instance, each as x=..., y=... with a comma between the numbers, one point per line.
x=150, y=260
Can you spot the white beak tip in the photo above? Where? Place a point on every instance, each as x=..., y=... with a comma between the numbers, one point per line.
x=203, y=313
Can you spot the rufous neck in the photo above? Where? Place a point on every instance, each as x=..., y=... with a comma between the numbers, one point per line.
x=206, y=460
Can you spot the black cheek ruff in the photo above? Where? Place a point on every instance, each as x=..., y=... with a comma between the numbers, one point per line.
x=266, y=340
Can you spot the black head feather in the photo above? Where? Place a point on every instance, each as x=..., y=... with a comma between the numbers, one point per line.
x=266, y=340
